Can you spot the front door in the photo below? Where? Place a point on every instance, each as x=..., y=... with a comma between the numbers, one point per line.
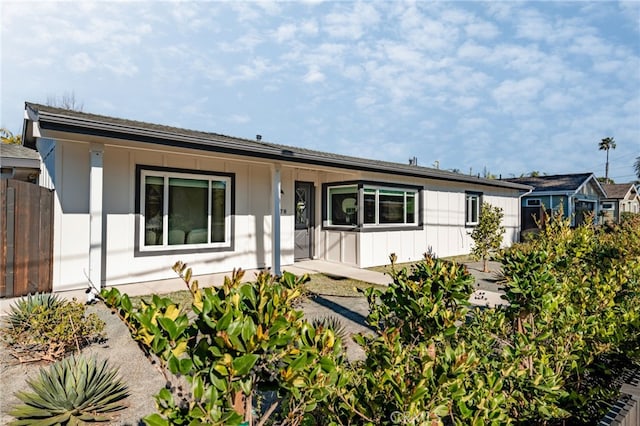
x=304, y=208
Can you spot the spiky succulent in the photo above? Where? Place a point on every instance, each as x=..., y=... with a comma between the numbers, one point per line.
x=25, y=307
x=332, y=323
x=72, y=391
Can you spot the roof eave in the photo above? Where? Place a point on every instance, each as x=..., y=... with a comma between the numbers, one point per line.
x=81, y=125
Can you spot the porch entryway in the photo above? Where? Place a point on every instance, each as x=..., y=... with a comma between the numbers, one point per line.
x=304, y=222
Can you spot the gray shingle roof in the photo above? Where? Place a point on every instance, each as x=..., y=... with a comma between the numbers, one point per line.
x=52, y=118
x=617, y=190
x=18, y=151
x=569, y=182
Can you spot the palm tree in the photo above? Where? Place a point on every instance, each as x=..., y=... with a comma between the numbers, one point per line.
x=8, y=137
x=636, y=166
x=605, y=145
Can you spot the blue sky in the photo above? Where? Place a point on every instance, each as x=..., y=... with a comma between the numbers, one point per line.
x=509, y=87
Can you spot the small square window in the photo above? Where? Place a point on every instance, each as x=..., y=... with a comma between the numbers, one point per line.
x=534, y=202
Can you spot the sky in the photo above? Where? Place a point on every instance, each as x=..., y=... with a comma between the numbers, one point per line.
x=500, y=87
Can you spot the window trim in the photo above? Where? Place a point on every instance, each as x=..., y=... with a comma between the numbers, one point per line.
x=538, y=202
x=610, y=204
x=467, y=197
x=361, y=187
x=141, y=250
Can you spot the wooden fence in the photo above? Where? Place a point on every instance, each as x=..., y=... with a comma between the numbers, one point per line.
x=26, y=238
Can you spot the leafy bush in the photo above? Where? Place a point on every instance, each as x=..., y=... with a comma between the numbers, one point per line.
x=244, y=349
x=574, y=310
x=550, y=356
x=71, y=391
x=44, y=327
x=417, y=370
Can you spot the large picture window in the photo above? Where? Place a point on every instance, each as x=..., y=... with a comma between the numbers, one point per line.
x=380, y=206
x=472, y=209
x=184, y=210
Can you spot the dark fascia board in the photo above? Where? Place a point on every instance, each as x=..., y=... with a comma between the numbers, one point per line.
x=56, y=119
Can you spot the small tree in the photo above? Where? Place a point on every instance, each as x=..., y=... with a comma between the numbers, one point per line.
x=487, y=235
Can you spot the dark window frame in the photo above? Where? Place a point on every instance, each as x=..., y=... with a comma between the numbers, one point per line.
x=478, y=196
x=361, y=186
x=180, y=249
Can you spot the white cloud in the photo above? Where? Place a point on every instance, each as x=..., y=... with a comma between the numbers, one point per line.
x=80, y=62
x=472, y=50
x=590, y=45
x=246, y=42
x=556, y=100
x=314, y=76
x=285, y=32
x=513, y=96
x=351, y=24
x=466, y=102
x=482, y=30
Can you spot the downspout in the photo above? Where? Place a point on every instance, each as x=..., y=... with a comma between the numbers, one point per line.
x=275, y=223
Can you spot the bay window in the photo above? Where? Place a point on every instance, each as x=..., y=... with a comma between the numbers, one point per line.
x=381, y=206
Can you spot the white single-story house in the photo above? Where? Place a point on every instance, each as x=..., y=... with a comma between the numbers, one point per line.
x=132, y=198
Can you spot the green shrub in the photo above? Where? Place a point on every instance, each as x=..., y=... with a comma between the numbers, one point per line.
x=574, y=311
x=244, y=349
x=22, y=310
x=44, y=327
x=72, y=391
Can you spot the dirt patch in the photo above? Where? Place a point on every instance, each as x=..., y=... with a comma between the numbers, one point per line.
x=119, y=349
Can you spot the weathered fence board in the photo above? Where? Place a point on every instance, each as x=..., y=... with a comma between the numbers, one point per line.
x=26, y=238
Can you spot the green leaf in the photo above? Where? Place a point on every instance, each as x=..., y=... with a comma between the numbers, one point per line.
x=242, y=365
x=155, y=420
x=185, y=366
x=248, y=329
x=197, y=387
x=223, y=323
x=464, y=410
x=174, y=365
x=169, y=326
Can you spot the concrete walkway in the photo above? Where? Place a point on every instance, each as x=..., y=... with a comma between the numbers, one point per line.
x=487, y=292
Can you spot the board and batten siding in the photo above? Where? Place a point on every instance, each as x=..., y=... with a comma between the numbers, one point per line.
x=251, y=224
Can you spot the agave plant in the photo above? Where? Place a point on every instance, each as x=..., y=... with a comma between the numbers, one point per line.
x=332, y=323
x=25, y=307
x=72, y=391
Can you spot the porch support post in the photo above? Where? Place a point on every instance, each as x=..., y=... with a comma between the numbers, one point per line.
x=95, y=217
x=275, y=223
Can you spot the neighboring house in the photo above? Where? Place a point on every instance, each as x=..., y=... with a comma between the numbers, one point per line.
x=18, y=162
x=620, y=198
x=577, y=194
x=133, y=198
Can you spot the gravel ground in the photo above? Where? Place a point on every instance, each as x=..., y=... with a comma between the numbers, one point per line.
x=120, y=350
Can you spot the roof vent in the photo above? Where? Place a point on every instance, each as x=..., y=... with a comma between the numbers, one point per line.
x=258, y=138
x=413, y=161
